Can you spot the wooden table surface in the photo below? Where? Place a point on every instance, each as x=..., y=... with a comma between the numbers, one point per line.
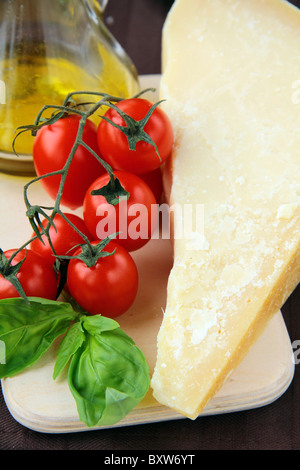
x=137, y=25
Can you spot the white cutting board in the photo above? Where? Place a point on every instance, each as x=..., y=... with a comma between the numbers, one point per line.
x=41, y=404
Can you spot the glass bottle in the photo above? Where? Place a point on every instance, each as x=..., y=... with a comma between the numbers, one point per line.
x=48, y=49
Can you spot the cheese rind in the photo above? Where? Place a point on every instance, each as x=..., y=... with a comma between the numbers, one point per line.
x=229, y=69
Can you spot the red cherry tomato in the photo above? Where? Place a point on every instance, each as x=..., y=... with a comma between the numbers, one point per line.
x=51, y=148
x=36, y=276
x=134, y=219
x=108, y=288
x=113, y=144
x=64, y=237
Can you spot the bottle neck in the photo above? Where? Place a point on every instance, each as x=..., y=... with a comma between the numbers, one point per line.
x=25, y=19
x=97, y=7
x=32, y=8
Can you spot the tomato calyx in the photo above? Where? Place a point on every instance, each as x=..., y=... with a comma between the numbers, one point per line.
x=134, y=130
x=59, y=113
x=9, y=272
x=90, y=253
x=113, y=192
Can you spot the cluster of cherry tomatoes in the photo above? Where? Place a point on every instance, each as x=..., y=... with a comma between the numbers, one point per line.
x=110, y=285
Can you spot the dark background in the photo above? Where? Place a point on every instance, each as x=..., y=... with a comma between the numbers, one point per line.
x=137, y=25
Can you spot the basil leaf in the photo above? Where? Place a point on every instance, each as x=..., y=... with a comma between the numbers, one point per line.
x=72, y=340
x=108, y=375
x=97, y=324
x=28, y=330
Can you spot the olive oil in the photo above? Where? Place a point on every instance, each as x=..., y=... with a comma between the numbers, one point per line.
x=38, y=80
x=47, y=52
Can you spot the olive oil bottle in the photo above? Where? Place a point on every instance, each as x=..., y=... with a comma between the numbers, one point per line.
x=48, y=49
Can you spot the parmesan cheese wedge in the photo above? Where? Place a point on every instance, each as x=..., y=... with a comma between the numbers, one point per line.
x=231, y=81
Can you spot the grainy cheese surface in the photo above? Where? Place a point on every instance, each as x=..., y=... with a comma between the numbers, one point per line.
x=230, y=74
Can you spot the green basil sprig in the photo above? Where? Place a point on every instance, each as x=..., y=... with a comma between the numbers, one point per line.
x=107, y=373
x=28, y=330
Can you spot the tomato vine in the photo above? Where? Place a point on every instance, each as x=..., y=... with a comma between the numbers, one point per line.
x=134, y=131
